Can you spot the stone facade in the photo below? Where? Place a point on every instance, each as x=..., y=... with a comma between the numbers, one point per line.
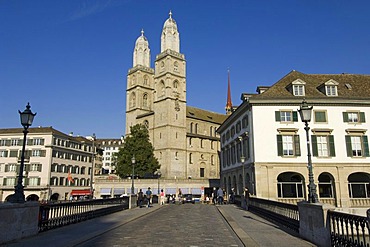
x=184, y=138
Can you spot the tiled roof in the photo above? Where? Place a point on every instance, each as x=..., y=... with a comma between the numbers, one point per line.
x=43, y=130
x=352, y=86
x=196, y=113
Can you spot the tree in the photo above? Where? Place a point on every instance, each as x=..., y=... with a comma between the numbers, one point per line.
x=138, y=145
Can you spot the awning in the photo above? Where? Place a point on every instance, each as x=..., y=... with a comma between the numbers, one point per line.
x=118, y=191
x=105, y=191
x=80, y=192
x=170, y=191
x=196, y=191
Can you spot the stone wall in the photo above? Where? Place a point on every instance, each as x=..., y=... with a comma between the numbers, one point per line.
x=18, y=220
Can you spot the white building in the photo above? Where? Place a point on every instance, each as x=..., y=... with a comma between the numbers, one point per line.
x=57, y=165
x=268, y=128
x=110, y=147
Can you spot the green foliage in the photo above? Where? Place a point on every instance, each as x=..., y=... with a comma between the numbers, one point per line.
x=138, y=145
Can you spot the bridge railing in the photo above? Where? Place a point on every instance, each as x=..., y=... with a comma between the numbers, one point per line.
x=348, y=229
x=53, y=215
x=282, y=213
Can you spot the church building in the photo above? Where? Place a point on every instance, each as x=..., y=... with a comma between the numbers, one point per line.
x=184, y=138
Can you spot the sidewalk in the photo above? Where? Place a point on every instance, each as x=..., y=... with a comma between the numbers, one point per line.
x=256, y=231
x=72, y=235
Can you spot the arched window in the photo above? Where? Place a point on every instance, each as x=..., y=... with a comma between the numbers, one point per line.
x=359, y=185
x=190, y=158
x=175, y=66
x=326, y=186
x=175, y=85
x=211, y=131
x=212, y=160
x=191, y=127
x=290, y=185
x=133, y=100
x=162, y=88
x=145, y=100
x=145, y=80
x=196, y=129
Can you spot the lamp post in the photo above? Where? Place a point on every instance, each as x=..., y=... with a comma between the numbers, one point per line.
x=92, y=166
x=26, y=121
x=133, y=161
x=305, y=114
x=242, y=160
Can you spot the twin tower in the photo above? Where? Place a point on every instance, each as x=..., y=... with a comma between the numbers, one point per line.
x=157, y=98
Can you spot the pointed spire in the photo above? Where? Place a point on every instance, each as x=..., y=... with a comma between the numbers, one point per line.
x=142, y=32
x=229, y=104
x=170, y=14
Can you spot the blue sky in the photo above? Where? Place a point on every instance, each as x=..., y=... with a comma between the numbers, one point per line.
x=70, y=58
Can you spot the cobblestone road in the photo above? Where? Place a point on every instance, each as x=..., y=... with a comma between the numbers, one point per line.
x=172, y=225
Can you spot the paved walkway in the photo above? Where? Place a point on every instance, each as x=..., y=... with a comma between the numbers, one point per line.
x=201, y=222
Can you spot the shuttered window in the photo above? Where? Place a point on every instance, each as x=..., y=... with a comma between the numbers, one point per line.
x=288, y=145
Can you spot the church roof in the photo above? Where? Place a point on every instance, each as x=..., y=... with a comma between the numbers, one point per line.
x=170, y=23
x=200, y=114
x=142, y=39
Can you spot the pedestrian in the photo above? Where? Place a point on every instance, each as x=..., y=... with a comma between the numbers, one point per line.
x=220, y=195
x=246, y=197
x=214, y=196
x=148, y=194
x=180, y=196
x=140, y=198
x=232, y=195
x=162, y=195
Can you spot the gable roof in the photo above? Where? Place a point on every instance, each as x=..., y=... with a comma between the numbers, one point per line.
x=352, y=86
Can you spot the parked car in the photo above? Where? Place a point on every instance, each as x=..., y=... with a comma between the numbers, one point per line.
x=187, y=198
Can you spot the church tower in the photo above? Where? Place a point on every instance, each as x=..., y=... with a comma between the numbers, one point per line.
x=229, y=104
x=169, y=104
x=140, y=86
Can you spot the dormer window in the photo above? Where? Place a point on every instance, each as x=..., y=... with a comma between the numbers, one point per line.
x=331, y=90
x=298, y=90
x=298, y=87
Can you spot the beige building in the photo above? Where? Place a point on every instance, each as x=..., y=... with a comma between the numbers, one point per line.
x=109, y=148
x=184, y=138
x=266, y=129
x=57, y=165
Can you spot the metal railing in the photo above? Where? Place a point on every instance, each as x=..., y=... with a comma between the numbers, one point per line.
x=348, y=229
x=53, y=215
x=282, y=213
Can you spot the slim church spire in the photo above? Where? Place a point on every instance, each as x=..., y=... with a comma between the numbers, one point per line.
x=229, y=104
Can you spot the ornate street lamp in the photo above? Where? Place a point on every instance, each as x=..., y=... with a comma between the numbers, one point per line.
x=133, y=161
x=242, y=160
x=26, y=121
x=305, y=112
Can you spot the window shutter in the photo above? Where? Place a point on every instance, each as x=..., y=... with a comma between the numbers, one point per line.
x=366, y=146
x=314, y=146
x=277, y=116
x=4, y=183
x=38, y=181
x=6, y=168
x=26, y=181
x=297, y=149
x=331, y=146
x=295, y=116
x=362, y=117
x=42, y=142
x=348, y=146
x=279, y=140
x=27, y=167
x=43, y=153
x=39, y=167
x=345, y=117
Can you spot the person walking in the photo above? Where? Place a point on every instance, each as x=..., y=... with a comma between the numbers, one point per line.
x=140, y=198
x=246, y=197
x=220, y=195
x=148, y=194
x=162, y=195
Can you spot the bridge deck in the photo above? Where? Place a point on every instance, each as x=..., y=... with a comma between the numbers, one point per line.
x=170, y=225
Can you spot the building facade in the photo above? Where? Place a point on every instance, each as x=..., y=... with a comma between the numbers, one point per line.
x=184, y=138
x=109, y=148
x=267, y=131
x=57, y=166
